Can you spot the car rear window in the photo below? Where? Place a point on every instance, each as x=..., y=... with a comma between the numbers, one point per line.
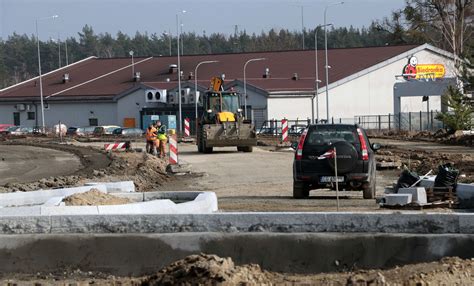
x=323, y=136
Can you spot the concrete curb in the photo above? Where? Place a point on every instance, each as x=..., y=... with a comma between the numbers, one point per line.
x=370, y=222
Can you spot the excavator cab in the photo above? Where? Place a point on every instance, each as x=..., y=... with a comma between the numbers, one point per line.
x=222, y=106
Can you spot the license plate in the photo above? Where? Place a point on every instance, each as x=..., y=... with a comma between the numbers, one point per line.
x=331, y=179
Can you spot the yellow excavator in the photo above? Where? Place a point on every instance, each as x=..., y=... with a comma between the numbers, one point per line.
x=222, y=123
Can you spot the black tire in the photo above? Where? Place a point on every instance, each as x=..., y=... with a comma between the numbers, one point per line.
x=247, y=148
x=369, y=191
x=204, y=148
x=300, y=190
x=240, y=149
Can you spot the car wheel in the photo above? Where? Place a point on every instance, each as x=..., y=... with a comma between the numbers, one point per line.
x=300, y=190
x=369, y=191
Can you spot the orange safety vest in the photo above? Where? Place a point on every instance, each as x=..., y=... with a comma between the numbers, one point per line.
x=150, y=134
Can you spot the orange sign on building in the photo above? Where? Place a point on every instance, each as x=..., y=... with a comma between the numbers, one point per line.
x=413, y=70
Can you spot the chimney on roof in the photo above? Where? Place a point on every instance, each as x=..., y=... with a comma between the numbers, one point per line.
x=191, y=75
x=267, y=73
x=181, y=75
x=136, y=76
x=173, y=68
x=65, y=77
x=295, y=76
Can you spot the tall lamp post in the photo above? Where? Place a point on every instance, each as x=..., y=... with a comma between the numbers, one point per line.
x=196, y=84
x=180, y=116
x=245, y=82
x=326, y=52
x=317, y=81
x=39, y=69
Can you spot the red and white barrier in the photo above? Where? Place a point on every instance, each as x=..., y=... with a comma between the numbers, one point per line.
x=187, y=128
x=116, y=146
x=173, y=150
x=284, y=130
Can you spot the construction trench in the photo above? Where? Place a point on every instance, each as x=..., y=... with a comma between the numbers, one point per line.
x=303, y=243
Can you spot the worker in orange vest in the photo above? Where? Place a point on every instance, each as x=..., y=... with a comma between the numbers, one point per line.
x=150, y=136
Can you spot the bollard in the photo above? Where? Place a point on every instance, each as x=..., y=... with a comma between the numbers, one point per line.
x=284, y=130
x=173, y=149
x=187, y=128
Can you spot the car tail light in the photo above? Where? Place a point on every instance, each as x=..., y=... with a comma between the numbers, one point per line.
x=363, y=145
x=299, y=149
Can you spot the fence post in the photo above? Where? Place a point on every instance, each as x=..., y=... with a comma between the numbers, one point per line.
x=399, y=121
x=421, y=121
x=340, y=120
x=332, y=120
x=432, y=125
x=380, y=122
x=389, y=122
x=409, y=120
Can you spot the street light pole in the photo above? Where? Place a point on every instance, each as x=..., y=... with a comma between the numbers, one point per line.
x=133, y=64
x=180, y=116
x=317, y=81
x=245, y=82
x=326, y=52
x=39, y=70
x=196, y=84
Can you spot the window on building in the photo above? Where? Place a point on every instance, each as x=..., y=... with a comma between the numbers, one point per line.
x=93, y=122
x=31, y=116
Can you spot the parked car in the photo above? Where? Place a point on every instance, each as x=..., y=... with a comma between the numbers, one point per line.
x=269, y=131
x=4, y=127
x=296, y=130
x=314, y=165
x=9, y=129
x=72, y=130
x=129, y=132
x=21, y=130
x=85, y=131
x=105, y=130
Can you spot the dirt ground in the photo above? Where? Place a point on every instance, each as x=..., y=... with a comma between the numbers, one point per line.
x=94, y=197
x=205, y=269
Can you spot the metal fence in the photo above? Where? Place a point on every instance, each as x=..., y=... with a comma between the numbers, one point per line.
x=408, y=121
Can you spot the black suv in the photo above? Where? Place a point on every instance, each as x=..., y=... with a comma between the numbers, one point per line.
x=314, y=165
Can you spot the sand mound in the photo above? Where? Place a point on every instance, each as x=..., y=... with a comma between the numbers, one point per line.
x=206, y=269
x=94, y=198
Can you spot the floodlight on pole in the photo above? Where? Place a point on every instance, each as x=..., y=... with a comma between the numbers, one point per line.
x=326, y=52
x=39, y=69
x=316, y=81
x=245, y=82
x=180, y=115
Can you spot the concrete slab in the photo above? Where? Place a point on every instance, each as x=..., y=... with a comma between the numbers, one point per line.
x=55, y=201
x=418, y=194
x=398, y=199
x=20, y=211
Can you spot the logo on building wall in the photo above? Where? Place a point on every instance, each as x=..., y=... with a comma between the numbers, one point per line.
x=413, y=70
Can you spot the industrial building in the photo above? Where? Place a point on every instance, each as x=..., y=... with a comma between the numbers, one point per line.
x=106, y=91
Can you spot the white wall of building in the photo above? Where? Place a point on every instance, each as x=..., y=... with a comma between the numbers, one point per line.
x=290, y=108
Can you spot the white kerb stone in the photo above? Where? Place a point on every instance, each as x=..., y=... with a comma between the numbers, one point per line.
x=398, y=199
x=418, y=194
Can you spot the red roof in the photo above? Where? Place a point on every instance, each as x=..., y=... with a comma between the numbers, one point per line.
x=95, y=77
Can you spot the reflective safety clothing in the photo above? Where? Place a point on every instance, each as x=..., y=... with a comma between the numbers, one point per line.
x=162, y=133
x=150, y=134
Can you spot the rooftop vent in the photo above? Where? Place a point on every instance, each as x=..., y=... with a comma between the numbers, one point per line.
x=65, y=77
x=295, y=76
x=267, y=73
x=136, y=76
x=173, y=68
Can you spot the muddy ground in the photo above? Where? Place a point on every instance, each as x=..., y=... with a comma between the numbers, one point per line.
x=204, y=269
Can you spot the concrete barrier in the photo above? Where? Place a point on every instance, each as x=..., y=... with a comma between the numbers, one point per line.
x=144, y=203
x=114, y=187
x=132, y=254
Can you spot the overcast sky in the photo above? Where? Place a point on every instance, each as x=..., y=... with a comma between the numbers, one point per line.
x=157, y=16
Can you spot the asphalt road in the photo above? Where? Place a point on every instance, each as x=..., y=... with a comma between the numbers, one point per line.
x=263, y=181
x=26, y=163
